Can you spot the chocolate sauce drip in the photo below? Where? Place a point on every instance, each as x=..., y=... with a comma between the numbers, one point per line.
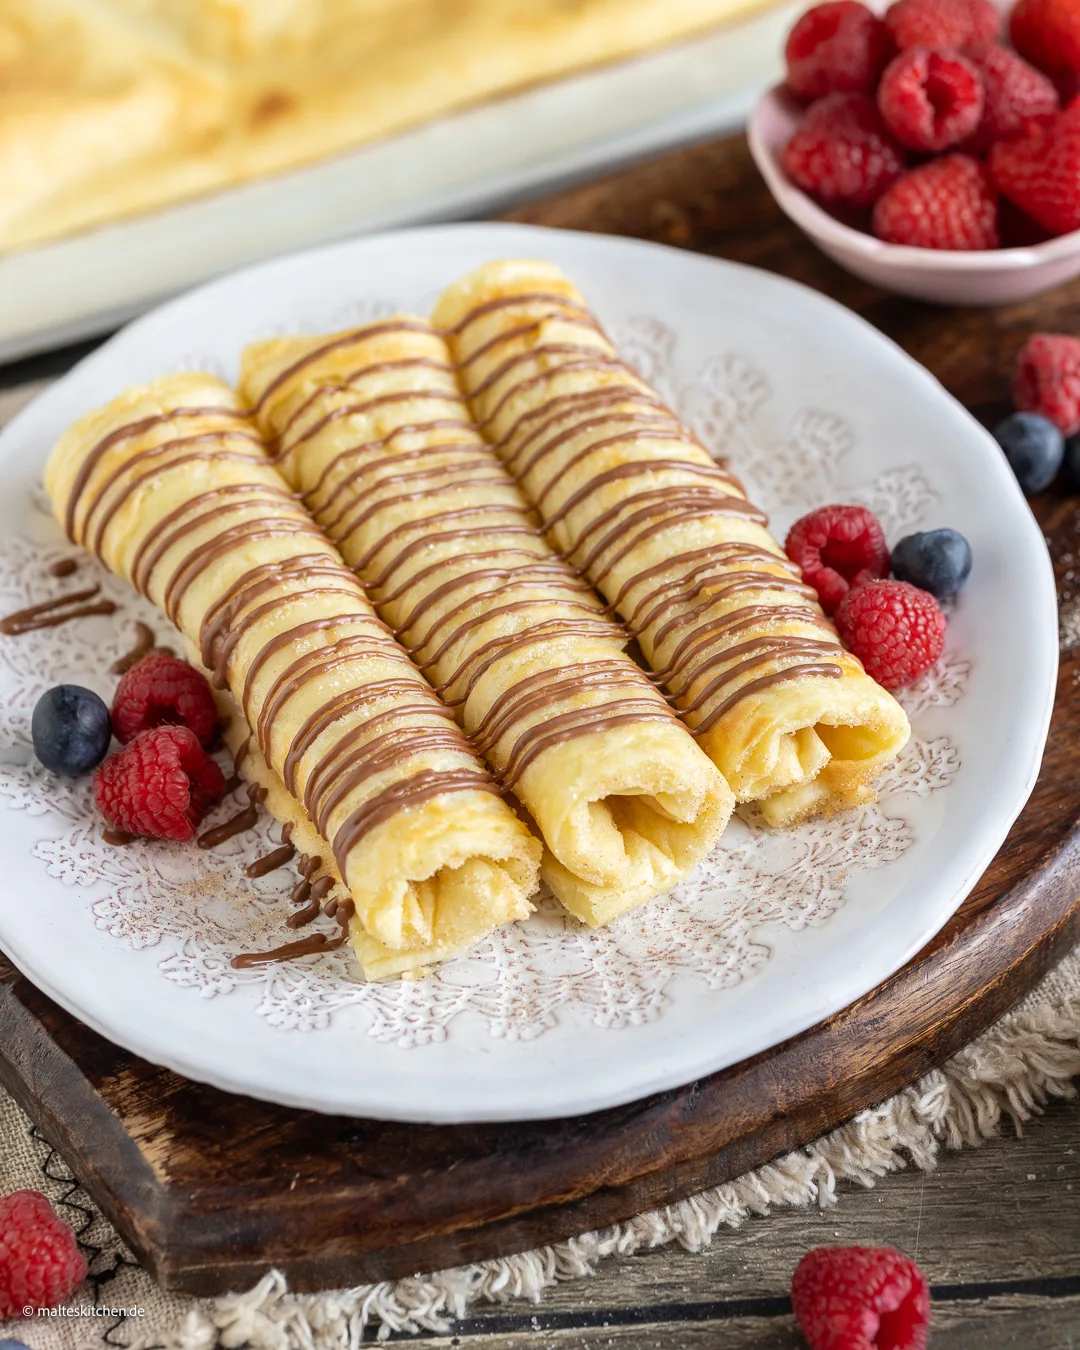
x=310, y=911
x=144, y=643
x=52, y=613
x=243, y=820
x=64, y=567
x=291, y=951
x=117, y=838
x=270, y=862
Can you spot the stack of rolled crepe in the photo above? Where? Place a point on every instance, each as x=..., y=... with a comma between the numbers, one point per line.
x=171, y=487
x=371, y=427
x=667, y=535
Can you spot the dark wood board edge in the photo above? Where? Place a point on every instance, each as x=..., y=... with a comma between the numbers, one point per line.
x=637, y=1157
x=80, y=1125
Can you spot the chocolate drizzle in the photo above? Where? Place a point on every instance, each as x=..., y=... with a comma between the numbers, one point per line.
x=52, y=613
x=243, y=820
x=651, y=477
x=489, y=589
x=290, y=951
x=144, y=643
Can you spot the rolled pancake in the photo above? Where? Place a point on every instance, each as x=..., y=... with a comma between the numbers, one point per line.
x=170, y=486
x=667, y=535
x=371, y=427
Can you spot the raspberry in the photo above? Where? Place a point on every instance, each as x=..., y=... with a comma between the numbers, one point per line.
x=949, y=203
x=839, y=47
x=835, y=548
x=930, y=99
x=1013, y=91
x=843, y=152
x=896, y=630
x=942, y=23
x=162, y=690
x=161, y=784
x=1040, y=171
x=40, y=1261
x=859, y=1298
x=1047, y=33
x=1047, y=379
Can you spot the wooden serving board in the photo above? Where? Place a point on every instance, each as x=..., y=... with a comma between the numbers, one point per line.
x=210, y=1189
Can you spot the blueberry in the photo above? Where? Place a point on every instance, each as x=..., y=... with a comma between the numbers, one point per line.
x=1034, y=448
x=13, y=1345
x=71, y=729
x=937, y=561
x=1072, y=461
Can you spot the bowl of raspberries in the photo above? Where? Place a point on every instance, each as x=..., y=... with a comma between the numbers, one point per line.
x=934, y=148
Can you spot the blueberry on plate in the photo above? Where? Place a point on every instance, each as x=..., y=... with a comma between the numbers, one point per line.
x=13, y=1345
x=71, y=729
x=937, y=561
x=1034, y=448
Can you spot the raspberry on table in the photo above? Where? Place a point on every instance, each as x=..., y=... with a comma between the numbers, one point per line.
x=1047, y=33
x=860, y=1298
x=1047, y=379
x=838, y=47
x=896, y=630
x=161, y=784
x=949, y=203
x=1040, y=170
x=930, y=99
x=1014, y=92
x=842, y=152
x=40, y=1261
x=161, y=690
x=836, y=548
x=942, y=23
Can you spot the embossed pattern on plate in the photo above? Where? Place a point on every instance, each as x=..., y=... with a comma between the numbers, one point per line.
x=774, y=931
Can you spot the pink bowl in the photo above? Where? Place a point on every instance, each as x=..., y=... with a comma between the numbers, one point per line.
x=995, y=277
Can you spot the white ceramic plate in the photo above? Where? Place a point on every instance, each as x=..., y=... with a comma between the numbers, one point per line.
x=466, y=163
x=775, y=932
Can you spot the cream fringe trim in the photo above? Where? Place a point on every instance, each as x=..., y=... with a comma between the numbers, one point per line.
x=1011, y=1071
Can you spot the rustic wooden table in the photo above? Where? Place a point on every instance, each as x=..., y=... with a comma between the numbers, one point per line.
x=998, y=1229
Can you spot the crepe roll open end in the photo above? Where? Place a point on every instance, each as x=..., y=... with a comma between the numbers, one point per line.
x=171, y=487
x=371, y=427
x=631, y=497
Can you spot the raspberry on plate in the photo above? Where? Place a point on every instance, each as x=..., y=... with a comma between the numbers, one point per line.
x=40, y=1261
x=835, y=548
x=949, y=203
x=838, y=47
x=1047, y=379
x=1047, y=33
x=1013, y=93
x=842, y=152
x=1040, y=170
x=942, y=23
x=930, y=99
x=859, y=1298
x=896, y=630
x=161, y=784
x=162, y=690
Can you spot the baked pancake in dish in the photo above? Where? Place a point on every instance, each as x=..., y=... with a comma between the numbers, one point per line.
x=119, y=106
x=170, y=486
x=667, y=535
x=371, y=427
